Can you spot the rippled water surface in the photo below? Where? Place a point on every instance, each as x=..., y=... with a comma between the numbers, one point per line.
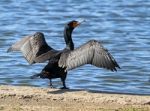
x=123, y=26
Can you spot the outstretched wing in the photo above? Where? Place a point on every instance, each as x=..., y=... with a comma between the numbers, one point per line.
x=17, y=46
x=34, y=48
x=91, y=52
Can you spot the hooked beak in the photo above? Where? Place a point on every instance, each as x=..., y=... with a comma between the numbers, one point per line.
x=80, y=21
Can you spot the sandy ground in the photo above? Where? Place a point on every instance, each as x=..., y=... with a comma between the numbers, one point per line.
x=20, y=98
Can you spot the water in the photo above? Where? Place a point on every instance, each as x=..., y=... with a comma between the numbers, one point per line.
x=122, y=26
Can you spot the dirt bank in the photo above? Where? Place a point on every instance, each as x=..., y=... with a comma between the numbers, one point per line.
x=20, y=98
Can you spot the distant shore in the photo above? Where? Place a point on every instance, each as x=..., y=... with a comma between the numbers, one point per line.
x=21, y=98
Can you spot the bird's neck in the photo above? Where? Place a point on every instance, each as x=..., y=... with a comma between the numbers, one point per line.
x=68, y=38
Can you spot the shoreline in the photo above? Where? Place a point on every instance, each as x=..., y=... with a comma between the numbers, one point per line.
x=27, y=98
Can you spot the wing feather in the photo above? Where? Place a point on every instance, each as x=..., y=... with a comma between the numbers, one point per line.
x=34, y=48
x=91, y=52
x=16, y=46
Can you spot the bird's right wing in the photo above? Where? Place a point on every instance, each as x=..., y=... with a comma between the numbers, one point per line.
x=91, y=52
x=17, y=46
x=34, y=48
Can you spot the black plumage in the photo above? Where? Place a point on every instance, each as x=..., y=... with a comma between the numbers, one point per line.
x=36, y=50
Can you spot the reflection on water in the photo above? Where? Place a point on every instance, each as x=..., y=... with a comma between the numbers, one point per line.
x=122, y=26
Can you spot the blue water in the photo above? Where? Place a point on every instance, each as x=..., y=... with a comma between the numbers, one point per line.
x=123, y=26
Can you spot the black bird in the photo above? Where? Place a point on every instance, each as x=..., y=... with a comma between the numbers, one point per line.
x=36, y=50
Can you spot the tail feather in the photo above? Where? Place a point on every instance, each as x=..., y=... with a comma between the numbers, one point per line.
x=35, y=76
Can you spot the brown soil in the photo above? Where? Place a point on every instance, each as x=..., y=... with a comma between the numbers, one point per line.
x=20, y=98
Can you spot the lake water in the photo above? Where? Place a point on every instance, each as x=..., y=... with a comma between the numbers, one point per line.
x=123, y=26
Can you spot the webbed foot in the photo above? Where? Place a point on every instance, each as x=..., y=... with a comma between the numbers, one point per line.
x=64, y=88
x=51, y=86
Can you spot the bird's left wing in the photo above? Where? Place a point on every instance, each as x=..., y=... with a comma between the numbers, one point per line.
x=91, y=52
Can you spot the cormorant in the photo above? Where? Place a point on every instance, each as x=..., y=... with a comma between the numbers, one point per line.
x=35, y=50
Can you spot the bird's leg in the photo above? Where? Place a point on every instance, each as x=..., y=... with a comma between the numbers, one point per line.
x=64, y=85
x=50, y=83
x=63, y=81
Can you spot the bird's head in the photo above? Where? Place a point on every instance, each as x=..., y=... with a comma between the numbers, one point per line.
x=74, y=23
x=68, y=32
